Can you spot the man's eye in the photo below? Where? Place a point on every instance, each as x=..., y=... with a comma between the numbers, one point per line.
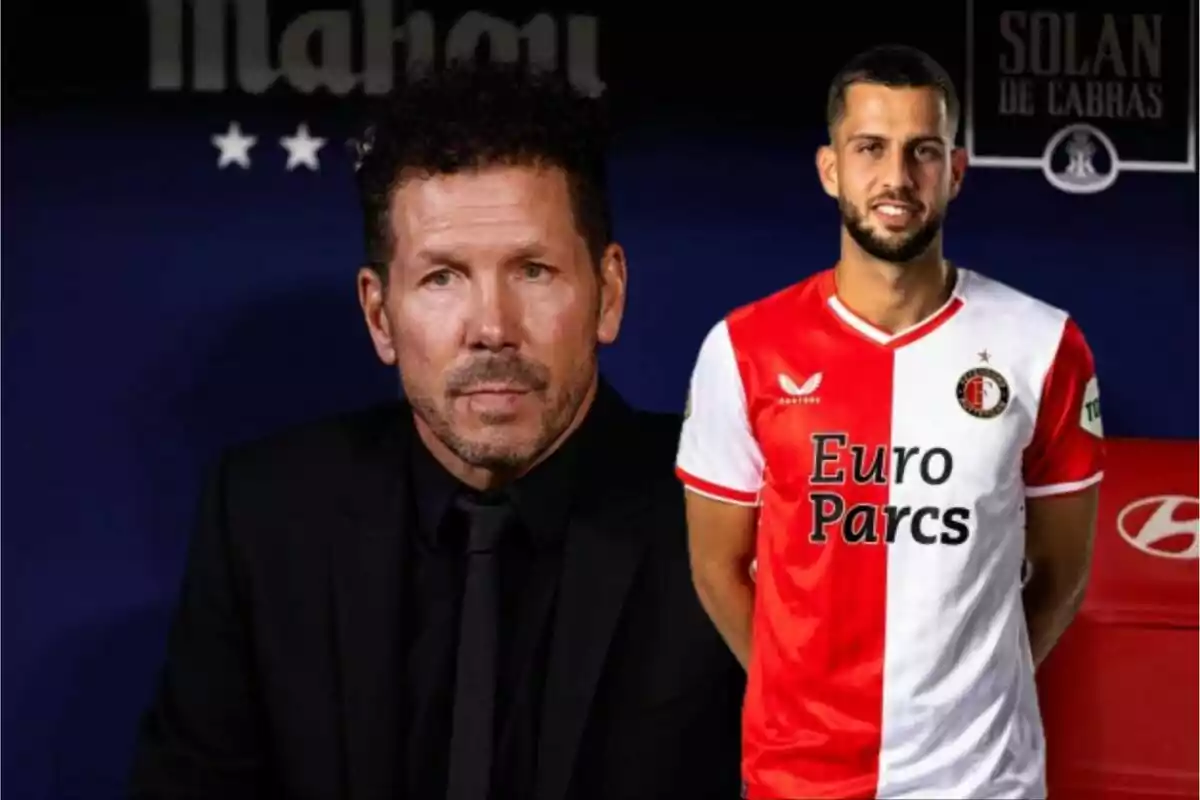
x=534, y=271
x=442, y=277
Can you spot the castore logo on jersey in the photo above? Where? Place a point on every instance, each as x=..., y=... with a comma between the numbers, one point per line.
x=804, y=394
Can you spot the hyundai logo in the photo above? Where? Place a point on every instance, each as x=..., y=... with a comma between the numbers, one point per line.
x=1172, y=529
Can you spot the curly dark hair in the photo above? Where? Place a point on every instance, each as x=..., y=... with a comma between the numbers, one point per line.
x=468, y=115
x=894, y=65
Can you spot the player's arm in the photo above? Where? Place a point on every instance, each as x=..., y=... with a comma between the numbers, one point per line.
x=1063, y=468
x=721, y=466
x=721, y=541
x=1059, y=534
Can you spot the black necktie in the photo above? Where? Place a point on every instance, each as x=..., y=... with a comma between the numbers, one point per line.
x=473, y=720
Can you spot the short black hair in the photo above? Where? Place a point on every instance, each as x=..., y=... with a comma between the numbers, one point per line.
x=473, y=114
x=894, y=65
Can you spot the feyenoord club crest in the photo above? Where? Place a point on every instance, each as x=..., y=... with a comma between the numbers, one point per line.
x=983, y=392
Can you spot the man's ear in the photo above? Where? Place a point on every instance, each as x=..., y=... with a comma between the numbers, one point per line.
x=372, y=297
x=613, y=276
x=958, y=170
x=827, y=169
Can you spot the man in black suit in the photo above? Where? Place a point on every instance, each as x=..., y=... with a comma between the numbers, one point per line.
x=482, y=592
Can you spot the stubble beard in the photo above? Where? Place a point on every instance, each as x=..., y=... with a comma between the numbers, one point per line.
x=901, y=250
x=508, y=454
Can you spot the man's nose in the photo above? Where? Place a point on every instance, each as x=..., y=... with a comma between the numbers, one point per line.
x=495, y=315
x=898, y=169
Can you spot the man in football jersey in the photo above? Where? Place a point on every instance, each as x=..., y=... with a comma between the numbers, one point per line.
x=888, y=441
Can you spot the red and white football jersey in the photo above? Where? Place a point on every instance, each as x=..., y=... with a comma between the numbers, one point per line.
x=890, y=654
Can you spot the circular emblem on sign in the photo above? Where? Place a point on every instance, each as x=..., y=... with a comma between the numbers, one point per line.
x=983, y=392
x=1080, y=159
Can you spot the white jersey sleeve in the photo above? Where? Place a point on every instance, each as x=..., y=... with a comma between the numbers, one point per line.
x=718, y=454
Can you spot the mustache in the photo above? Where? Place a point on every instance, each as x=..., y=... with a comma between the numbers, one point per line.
x=510, y=370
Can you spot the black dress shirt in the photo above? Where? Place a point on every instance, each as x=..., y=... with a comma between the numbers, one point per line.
x=529, y=574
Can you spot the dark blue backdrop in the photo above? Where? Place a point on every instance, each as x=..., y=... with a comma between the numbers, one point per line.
x=152, y=315
x=156, y=308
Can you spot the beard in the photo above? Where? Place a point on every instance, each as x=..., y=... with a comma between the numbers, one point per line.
x=502, y=444
x=899, y=249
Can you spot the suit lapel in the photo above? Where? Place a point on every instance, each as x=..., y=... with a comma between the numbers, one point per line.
x=601, y=556
x=366, y=559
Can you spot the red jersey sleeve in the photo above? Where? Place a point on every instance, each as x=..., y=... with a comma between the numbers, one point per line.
x=1066, y=453
x=718, y=454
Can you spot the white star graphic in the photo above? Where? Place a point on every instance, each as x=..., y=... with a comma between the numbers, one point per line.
x=234, y=146
x=302, y=148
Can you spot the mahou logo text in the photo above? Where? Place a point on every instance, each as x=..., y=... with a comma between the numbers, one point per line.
x=316, y=50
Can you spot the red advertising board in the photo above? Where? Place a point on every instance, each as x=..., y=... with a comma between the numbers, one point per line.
x=1121, y=692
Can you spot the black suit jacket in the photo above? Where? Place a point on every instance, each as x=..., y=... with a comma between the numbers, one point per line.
x=283, y=662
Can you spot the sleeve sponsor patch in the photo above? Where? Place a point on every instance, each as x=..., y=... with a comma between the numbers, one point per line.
x=1089, y=411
